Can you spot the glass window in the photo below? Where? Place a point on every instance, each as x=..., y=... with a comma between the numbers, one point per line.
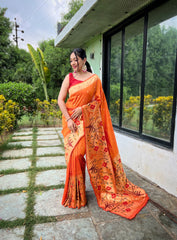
x=160, y=72
x=132, y=75
x=115, y=77
x=147, y=69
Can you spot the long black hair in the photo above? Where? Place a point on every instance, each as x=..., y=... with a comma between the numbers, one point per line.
x=80, y=52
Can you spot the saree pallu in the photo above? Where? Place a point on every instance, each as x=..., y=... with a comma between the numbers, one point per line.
x=95, y=137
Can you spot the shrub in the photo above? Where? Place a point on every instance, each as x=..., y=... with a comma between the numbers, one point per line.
x=23, y=94
x=49, y=111
x=147, y=112
x=129, y=108
x=162, y=112
x=9, y=112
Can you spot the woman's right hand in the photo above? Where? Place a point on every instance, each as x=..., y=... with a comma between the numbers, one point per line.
x=71, y=125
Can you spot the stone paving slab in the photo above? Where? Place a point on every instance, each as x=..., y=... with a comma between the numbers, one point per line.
x=22, y=163
x=16, y=180
x=20, y=138
x=12, y=206
x=48, y=203
x=26, y=130
x=47, y=129
x=51, y=177
x=167, y=223
x=23, y=133
x=55, y=177
x=139, y=228
x=49, y=143
x=47, y=137
x=14, y=234
x=77, y=229
x=24, y=152
x=58, y=129
x=60, y=134
x=51, y=161
x=24, y=143
x=49, y=150
x=44, y=132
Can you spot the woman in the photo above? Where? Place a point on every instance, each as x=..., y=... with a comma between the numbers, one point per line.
x=87, y=129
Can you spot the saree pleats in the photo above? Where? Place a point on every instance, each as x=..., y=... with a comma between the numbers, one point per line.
x=95, y=136
x=74, y=191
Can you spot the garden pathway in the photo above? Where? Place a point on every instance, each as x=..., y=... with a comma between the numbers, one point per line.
x=32, y=177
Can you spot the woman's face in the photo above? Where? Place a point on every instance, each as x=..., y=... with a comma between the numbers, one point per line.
x=76, y=63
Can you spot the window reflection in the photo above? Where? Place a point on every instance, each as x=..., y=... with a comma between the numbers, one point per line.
x=155, y=78
x=160, y=75
x=132, y=75
x=115, y=75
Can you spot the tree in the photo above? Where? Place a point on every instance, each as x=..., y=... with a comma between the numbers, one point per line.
x=160, y=63
x=15, y=64
x=5, y=30
x=22, y=67
x=41, y=66
x=74, y=6
x=58, y=63
x=58, y=58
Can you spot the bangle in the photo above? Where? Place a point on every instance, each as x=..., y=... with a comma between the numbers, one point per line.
x=68, y=119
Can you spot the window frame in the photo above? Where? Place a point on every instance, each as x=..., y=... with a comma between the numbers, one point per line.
x=143, y=13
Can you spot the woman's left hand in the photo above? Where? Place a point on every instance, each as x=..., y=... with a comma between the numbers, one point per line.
x=77, y=112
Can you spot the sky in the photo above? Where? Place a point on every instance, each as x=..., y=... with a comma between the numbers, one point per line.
x=37, y=18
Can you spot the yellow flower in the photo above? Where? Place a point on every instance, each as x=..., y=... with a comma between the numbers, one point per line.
x=2, y=98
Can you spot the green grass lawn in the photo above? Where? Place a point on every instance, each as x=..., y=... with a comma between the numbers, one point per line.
x=28, y=121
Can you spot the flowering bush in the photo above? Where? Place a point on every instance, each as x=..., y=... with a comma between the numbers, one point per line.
x=147, y=112
x=49, y=111
x=129, y=108
x=158, y=110
x=162, y=112
x=9, y=112
x=13, y=108
x=23, y=94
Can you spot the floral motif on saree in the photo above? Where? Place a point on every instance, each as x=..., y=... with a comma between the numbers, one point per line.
x=114, y=192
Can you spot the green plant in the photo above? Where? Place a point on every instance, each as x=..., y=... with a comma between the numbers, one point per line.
x=162, y=113
x=23, y=94
x=131, y=108
x=49, y=111
x=41, y=66
x=147, y=111
x=9, y=112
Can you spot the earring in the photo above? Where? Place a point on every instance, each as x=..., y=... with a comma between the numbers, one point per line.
x=84, y=68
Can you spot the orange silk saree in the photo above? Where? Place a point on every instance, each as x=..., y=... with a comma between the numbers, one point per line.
x=95, y=137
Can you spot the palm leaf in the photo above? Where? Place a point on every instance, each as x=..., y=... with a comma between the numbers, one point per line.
x=47, y=74
x=36, y=59
x=46, y=70
x=41, y=66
